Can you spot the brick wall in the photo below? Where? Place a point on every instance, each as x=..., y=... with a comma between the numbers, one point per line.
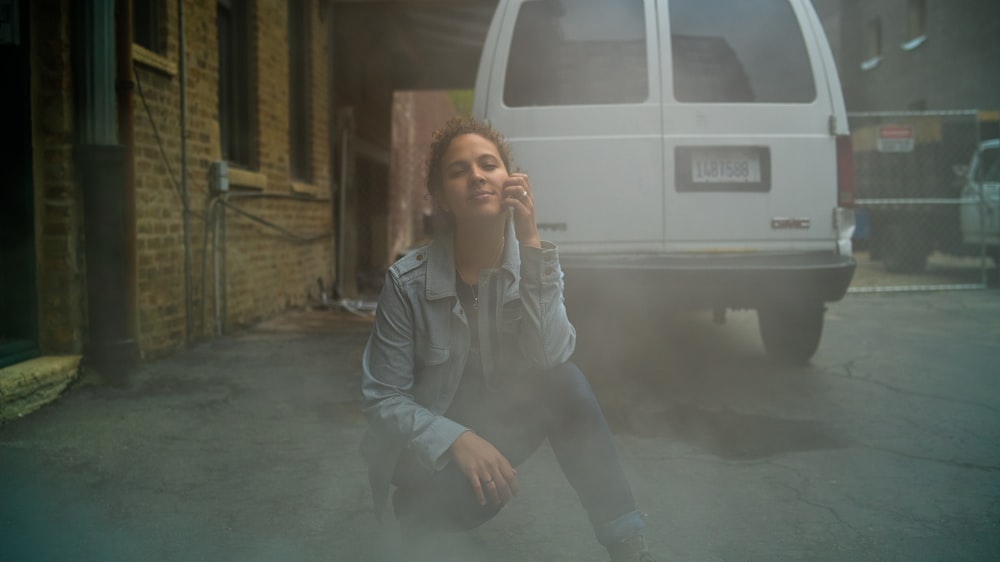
x=952, y=69
x=415, y=116
x=265, y=271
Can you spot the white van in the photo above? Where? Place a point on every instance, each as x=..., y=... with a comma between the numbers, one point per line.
x=689, y=150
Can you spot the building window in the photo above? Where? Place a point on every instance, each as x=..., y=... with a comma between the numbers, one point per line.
x=300, y=79
x=147, y=20
x=235, y=58
x=873, y=45
x=916, y=24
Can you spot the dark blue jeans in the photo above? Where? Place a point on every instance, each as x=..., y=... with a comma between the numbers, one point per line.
x=516, y=416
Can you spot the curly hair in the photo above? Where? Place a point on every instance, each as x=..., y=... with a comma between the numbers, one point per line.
x=441, y=140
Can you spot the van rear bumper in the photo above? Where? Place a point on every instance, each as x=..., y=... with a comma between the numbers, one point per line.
x=709, y=280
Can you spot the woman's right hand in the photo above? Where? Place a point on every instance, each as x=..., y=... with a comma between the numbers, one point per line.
x=488, y=471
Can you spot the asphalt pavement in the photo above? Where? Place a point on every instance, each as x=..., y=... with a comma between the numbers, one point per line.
x=887, y=447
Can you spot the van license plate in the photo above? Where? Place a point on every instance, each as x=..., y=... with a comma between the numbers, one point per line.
x=725, y=168
x=703, y=169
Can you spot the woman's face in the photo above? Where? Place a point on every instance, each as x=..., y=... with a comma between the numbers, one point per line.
x=472, y=179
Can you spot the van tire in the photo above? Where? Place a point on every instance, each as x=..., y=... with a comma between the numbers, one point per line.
x=791, y=332
x=903, y=249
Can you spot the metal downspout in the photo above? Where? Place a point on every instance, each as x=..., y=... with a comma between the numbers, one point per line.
x=101, y=163
x=126, y=136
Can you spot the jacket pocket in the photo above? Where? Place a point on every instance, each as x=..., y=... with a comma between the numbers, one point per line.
x=510, y=319
x=431, y=355
x=432, y=371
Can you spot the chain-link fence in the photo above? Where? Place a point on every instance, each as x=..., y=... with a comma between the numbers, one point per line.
x=925, y=209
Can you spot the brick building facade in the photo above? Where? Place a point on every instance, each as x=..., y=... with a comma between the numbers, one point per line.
x=416, y=115
x=255, y=95
x=915, y=54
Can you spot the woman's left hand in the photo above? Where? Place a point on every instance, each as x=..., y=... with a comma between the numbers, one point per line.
x=517, y=196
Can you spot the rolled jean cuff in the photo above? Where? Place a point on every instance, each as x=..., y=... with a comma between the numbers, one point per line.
x=619, y=528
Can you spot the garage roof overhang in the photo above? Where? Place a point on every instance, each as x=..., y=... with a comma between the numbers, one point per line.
x=435, y=44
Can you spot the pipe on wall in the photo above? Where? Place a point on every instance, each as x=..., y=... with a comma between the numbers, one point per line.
x=345, y=132
x=329, y=14
x=185, y=197
x=215, y=217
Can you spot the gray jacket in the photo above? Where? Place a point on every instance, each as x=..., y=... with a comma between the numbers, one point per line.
x=419, y=344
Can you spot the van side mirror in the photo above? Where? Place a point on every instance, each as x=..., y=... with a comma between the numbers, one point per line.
x=960, y=170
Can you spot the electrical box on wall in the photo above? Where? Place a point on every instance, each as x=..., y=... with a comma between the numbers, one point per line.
x=218, y=177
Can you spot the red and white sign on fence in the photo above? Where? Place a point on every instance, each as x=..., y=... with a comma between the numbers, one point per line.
x=895, y=138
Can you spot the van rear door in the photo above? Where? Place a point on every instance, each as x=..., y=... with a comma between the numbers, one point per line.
x=574, y=86
x=750, y=157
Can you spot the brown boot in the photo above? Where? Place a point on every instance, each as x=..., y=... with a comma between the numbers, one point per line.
x=632, y=549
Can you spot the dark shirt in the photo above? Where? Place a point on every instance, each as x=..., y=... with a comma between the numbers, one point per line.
x=473, y=386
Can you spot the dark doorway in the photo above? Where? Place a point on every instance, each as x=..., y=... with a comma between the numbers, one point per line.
x=18, y=302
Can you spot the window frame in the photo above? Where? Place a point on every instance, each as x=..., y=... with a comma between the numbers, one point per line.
x=237, y=87
x=916, y=24
x=299, y=89
x=872, y=44
x=149, y=25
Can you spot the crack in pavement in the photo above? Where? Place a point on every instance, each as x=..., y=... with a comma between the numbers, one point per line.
x=848, y=373
x=946, y=462
x=800, y=495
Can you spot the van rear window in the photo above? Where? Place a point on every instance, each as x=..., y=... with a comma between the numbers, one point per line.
x=734, y=51
x=573, y=52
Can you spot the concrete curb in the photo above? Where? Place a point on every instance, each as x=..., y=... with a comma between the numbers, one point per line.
x=29, y=385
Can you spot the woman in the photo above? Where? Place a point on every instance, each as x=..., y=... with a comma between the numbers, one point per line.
x=466, y=371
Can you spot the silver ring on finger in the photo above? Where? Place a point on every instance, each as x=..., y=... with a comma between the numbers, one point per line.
x=524, y=193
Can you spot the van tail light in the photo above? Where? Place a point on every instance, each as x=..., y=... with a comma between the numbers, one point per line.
x=845, y=172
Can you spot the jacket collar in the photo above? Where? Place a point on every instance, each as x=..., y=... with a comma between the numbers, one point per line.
x=440, y=281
